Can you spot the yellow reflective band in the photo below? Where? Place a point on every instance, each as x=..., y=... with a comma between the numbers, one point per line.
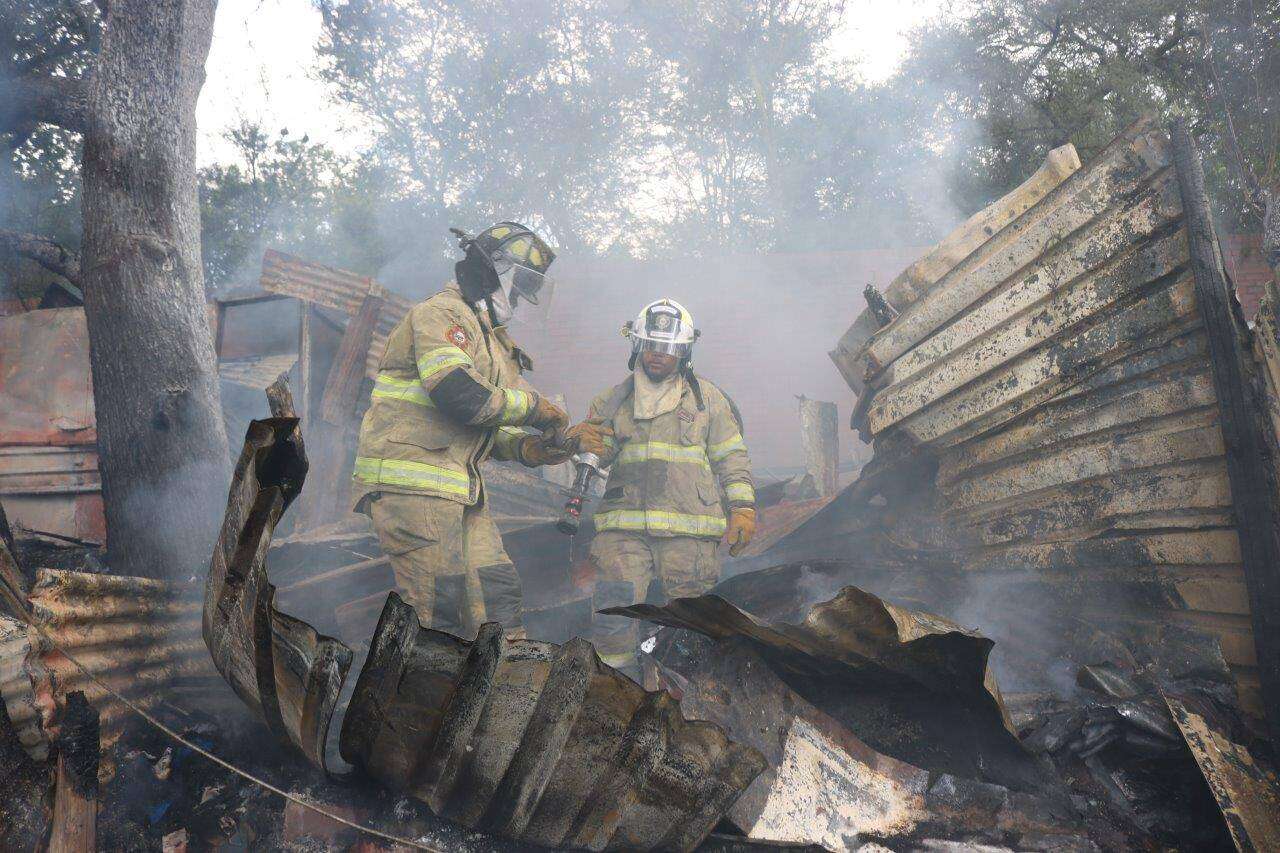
x=414, y=475
x=720, y=451
x=740, y=492
x=516, y=405
x=407, y=390
x=659, y=520
x=619, y=661
x=642, y=452
x=439, y=359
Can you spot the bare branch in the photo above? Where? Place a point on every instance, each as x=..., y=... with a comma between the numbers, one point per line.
x=44, y=251
x=30, y=98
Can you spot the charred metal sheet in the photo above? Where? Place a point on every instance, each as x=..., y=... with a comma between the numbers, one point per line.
x=285, y=671
x=885, y=671
x=1246, y=792
x=537, y=742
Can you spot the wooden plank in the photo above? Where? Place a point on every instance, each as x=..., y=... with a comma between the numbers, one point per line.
x=1179, y=438
x=75, y=804
x=916, y=280
x=342, y=388
x=1112, y=256
x=1129, y=162
x=1047, y=370
x=1147, y=399
x=1250, y=463
x=1051, y=320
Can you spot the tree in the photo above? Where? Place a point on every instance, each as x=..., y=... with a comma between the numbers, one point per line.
x=296, y=196
x=126, y=76
x=1034, y=74
x=484, y=112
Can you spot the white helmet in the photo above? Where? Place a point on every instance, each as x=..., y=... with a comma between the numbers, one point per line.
x=662, y=326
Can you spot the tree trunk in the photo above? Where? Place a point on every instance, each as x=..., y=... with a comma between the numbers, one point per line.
x=162, y=445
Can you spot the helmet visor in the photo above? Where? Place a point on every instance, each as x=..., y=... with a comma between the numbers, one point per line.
x=679, y=350
x=530, y=292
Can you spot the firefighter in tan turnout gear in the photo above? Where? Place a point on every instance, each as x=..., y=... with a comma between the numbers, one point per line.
x=678, y=461
x=450, y=393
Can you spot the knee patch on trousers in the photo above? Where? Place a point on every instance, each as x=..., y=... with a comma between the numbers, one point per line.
x=500, y=588
x=449, y=610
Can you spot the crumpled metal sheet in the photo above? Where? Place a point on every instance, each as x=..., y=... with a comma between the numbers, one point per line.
x=526, y=740
x=912, y=684
x=285, y=671
x=537, y=742
x=856, y=629
x=1245, y=791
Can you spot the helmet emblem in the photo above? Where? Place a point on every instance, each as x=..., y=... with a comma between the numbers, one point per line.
x=663, y=322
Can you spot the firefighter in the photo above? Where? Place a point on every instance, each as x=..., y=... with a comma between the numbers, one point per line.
x=450, y=393
x=678, y=461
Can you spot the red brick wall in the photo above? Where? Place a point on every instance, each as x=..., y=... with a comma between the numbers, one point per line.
x=1250, y=273
x=767, y=324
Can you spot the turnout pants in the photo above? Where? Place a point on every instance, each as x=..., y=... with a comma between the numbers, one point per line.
x=449, y=562
x=633, y=568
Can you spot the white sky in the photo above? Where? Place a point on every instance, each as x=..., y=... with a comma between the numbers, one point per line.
x=261, y=67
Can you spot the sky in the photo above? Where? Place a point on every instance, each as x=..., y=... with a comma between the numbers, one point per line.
x=261, y=67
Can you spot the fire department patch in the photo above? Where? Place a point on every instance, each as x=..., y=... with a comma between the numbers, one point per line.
x=457, y=335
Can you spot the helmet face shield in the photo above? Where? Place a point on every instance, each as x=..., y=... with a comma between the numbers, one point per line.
x=665, y=347
x=520, y=259
x=665, y=327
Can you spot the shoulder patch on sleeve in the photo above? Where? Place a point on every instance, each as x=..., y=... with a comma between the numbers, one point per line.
x=457, y=336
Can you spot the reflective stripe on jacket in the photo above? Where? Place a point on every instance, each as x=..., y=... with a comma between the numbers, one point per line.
x=448, y=394
x=673, y=475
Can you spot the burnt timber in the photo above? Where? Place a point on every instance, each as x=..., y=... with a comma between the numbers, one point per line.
x=1070, y=382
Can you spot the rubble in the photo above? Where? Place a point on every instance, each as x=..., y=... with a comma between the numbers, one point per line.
x=523, y=739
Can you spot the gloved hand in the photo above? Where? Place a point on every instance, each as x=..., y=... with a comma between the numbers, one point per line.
x=587, y=437
x=742, y=526
x=535, y=450
x=547, y=416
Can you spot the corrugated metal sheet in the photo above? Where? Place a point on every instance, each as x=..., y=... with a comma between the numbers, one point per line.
x=1059, y=375
x=537, y=742
x=333, y=288
x=48, y=453
x=140, y=637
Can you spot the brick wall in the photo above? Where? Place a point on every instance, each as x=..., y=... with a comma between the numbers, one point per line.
x=1250, y=273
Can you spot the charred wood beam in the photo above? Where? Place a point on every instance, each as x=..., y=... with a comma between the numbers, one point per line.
x=32, y=99
x=75, y=805
x=342, y=387
x=281, y=667
x=1251, y=467
x=44, y=251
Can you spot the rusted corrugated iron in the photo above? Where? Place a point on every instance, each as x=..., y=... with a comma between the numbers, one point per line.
x=336, y=289
x=1059, y=377
x=139, y=637
x=48, y=454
